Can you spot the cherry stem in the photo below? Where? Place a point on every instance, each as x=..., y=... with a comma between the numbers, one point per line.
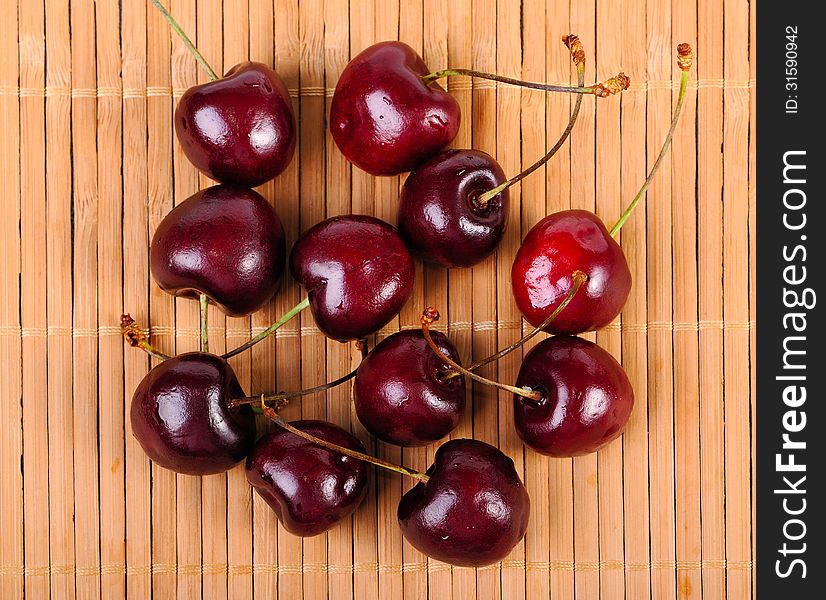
x=602, y=90
x=282, y=399
x=684, y=60
x=133, y=334
x=185, y=39
x=272, y=414
x=271, y=329
x=430, y=316
x=578, y=56
x=204, y=302
x=578, y=278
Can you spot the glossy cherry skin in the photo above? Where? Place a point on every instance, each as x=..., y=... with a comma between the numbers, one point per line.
x=472, y=511
x=226, y=242
x=240, y=128
x=587, y=398
x=399, y=395
x=181, y=418
x=311, y=489
x=357, y=272
x=554, y=248
x=384, y=118
x=438, y=217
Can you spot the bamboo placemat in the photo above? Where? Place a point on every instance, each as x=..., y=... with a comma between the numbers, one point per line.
x=90, y=165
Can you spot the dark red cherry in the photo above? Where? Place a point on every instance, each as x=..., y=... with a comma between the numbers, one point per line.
x=226, y=242
x=542, y=273
x=181, y=418
x=399, y=394
x=472, y=511
x=384, y=118
x=240, y=128
x=587, y=398
x=439, y=216
x=357, y=272
x=311, y=489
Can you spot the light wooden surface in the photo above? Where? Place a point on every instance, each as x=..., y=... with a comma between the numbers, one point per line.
x=90, y=165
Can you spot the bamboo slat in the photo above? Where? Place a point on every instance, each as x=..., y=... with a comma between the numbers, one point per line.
x=110, y=302
x=686, y=343
x=136, y=292
x=91, y=165
x=33, y=295
x=11, y=437
x=633, y=238
x=736, y=103
x=660, y=55
x=752, y=232
x=59, y=302
x=609, y=205
x=710, y=264
x=84, y=302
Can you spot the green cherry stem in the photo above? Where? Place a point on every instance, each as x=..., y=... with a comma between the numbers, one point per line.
x=281, y=399
x=204, y=303
x=684, y=60
x=578, y=278
x=185, y=39
x=430, y=316
x=137, y=338
x=578, y=56
x=273, y=415
x=609, y=87
x=601, y=90
x=271, y=329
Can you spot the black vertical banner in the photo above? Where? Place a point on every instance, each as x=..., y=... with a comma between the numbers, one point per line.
x=791, y=296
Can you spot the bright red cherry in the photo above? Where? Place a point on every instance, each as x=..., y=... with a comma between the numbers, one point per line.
x=311, y=489
x=357, y=272
x=473, y=509
x=440, y=216
x=541, y=275
x=384, y=118
x=577, y=240
x=240, y=128
x=400, y=395
x=226, y=242
x=180, y=415
x=586, y=397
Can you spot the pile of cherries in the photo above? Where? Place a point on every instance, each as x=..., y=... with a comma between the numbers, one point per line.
x=225, y=245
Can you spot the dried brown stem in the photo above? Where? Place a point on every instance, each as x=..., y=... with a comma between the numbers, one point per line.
x=133, y=334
